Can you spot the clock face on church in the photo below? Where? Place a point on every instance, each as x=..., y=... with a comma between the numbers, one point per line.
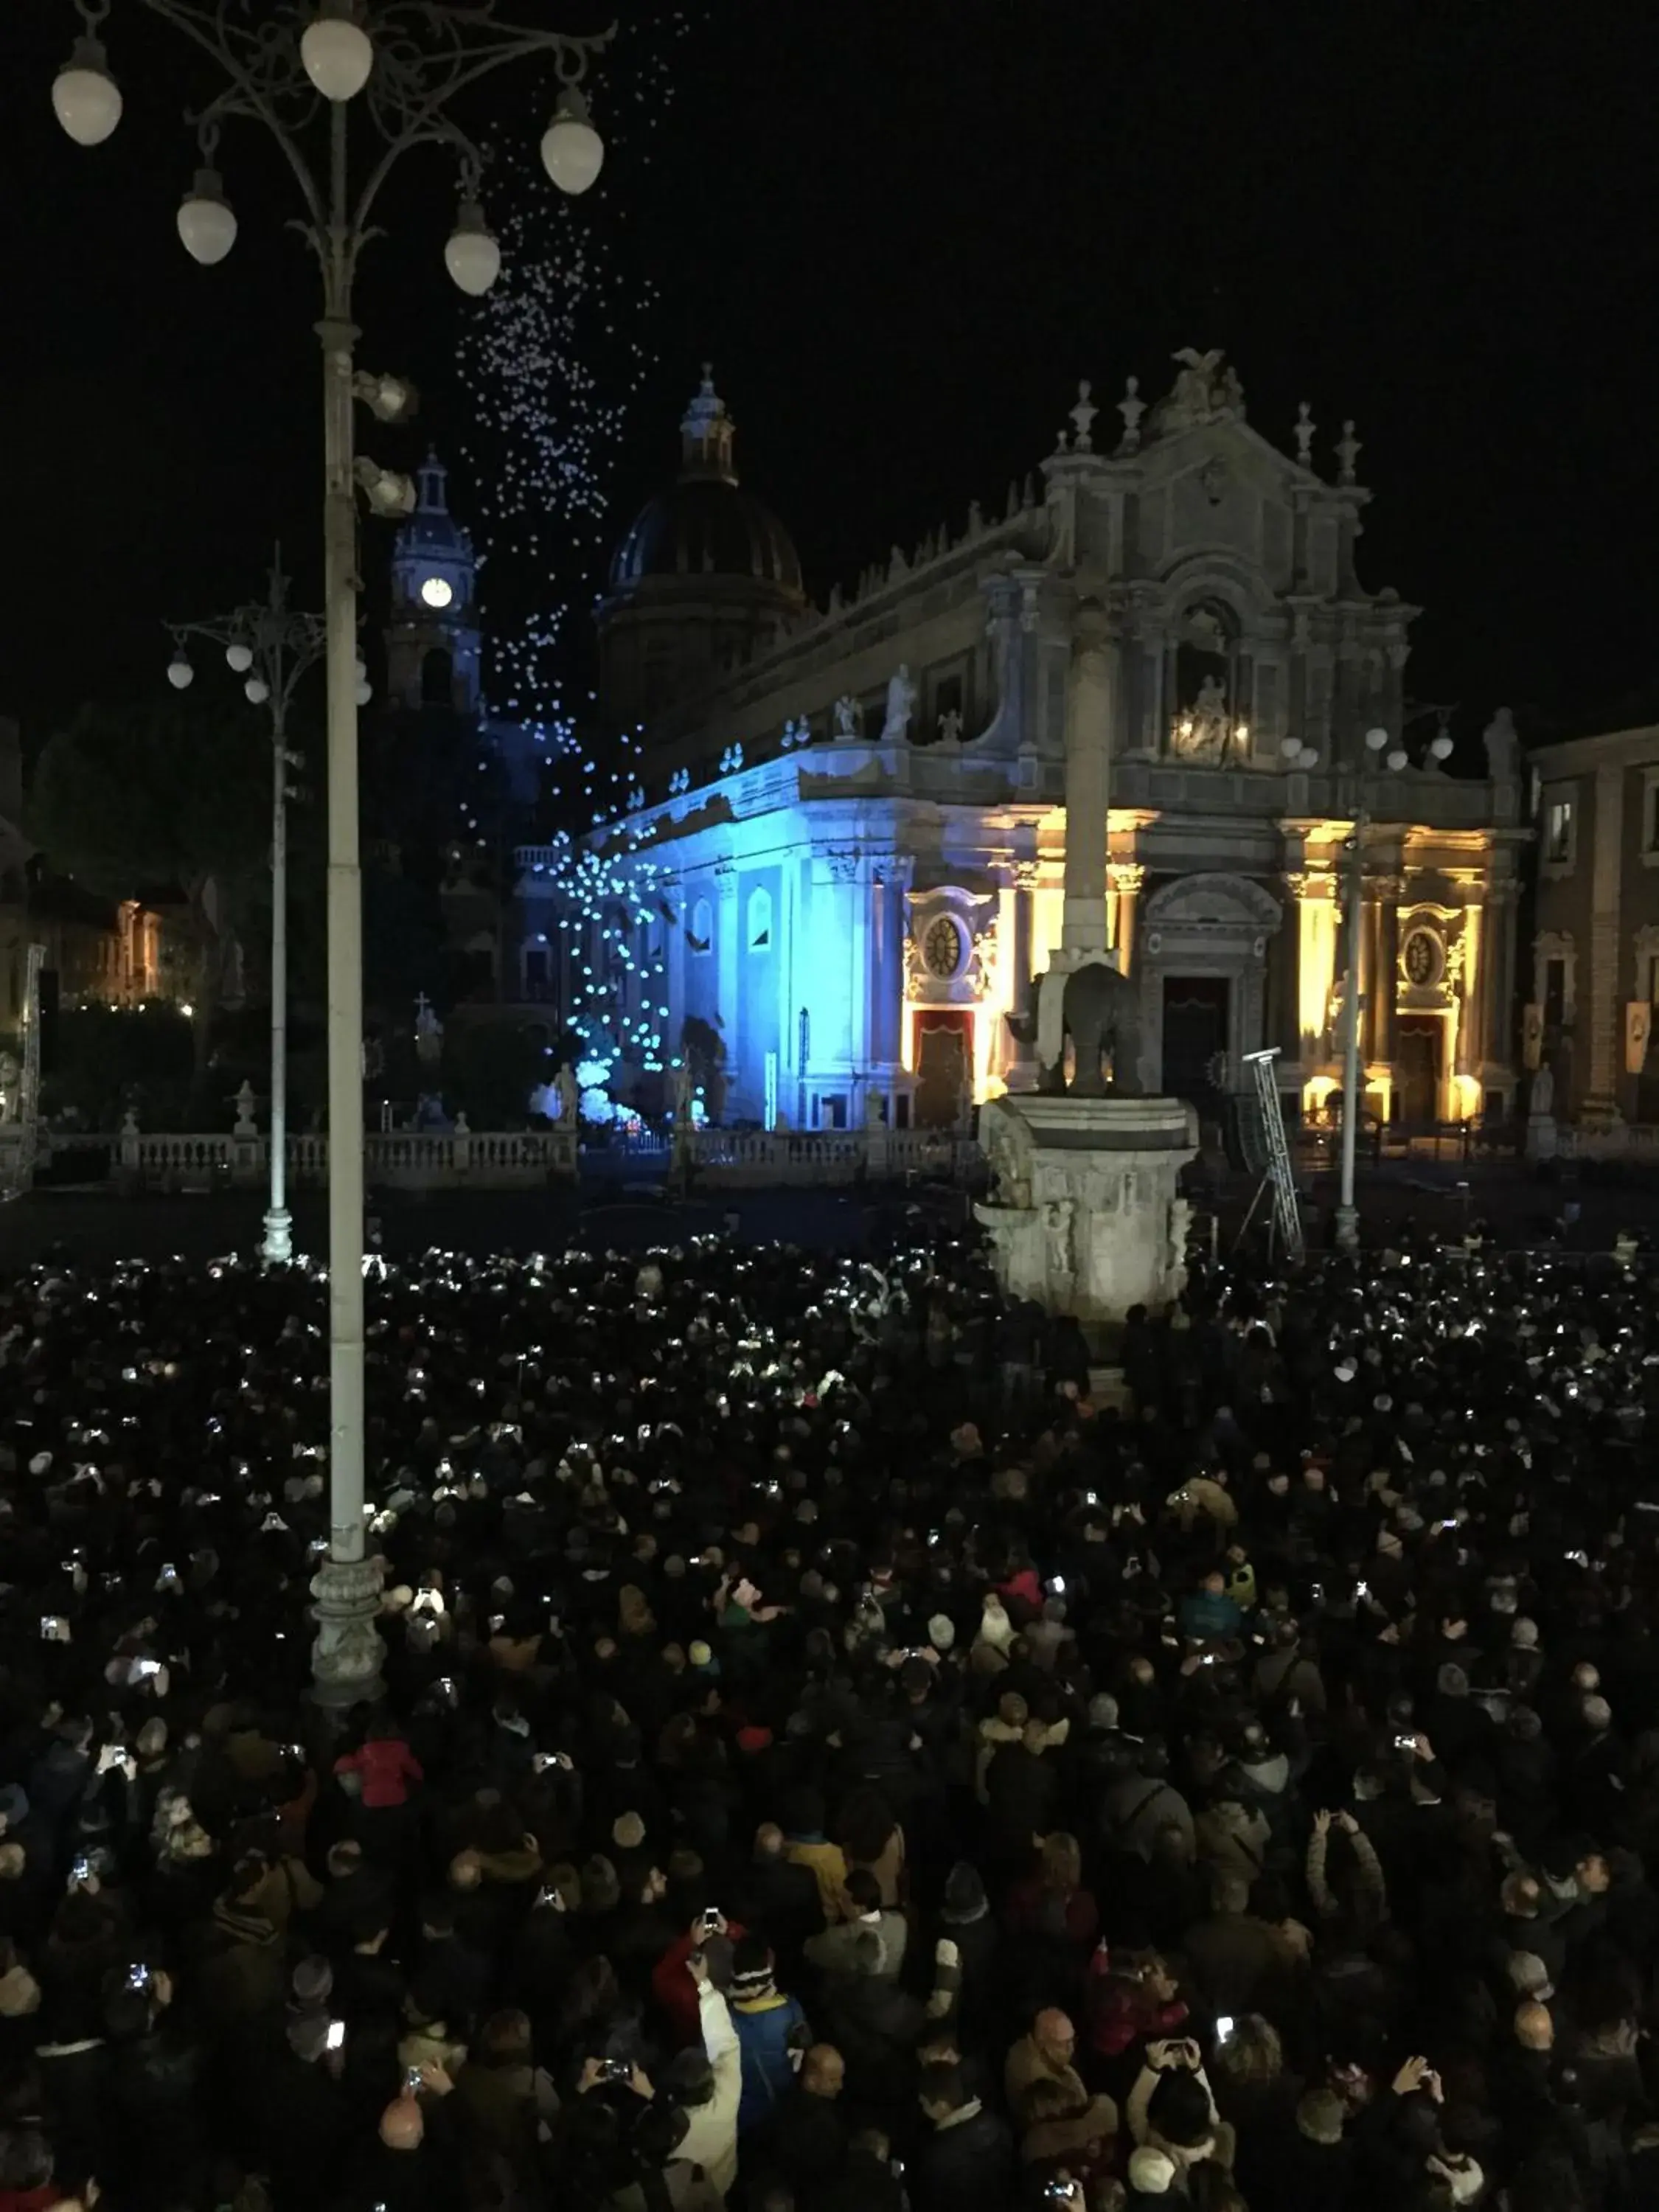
x=437, y=591
x=941, y=948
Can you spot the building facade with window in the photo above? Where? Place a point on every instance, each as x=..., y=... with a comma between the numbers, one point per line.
x=1594, y=979
x=848, y=842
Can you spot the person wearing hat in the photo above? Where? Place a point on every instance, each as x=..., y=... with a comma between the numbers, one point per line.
x=772, y=2030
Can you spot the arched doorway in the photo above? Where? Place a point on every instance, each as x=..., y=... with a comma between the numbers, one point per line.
x=1202, y=961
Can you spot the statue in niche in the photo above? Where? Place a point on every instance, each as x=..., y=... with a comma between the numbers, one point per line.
x=1201, y=730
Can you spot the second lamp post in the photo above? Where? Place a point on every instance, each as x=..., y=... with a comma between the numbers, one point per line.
x=270, y=648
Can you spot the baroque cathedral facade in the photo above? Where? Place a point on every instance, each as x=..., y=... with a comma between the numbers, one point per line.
x=851, y=824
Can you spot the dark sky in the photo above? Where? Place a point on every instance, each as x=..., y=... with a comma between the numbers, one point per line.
x=902, y=228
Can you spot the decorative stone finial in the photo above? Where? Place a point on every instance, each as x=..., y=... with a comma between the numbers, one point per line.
x=1347, y=453
x=1083, y=415
x=1306, y=427
x=706, y=432
x=1132, y=407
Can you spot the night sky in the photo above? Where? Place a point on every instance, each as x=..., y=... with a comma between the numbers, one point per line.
x=902, y=229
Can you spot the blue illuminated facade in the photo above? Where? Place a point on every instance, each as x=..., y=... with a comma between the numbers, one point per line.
x=844, y=864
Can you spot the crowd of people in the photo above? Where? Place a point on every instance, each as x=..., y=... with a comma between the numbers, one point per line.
x=826, y=1758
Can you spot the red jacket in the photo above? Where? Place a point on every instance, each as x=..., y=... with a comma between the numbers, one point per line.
x=677, y=1993
x=1120, y=2011
x=387, y=1765
x=1024, y=1587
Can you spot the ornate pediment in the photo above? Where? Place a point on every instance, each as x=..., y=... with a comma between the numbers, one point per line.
x=1225, y=903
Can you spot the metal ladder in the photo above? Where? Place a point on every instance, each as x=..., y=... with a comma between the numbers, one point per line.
x=1277, y=1170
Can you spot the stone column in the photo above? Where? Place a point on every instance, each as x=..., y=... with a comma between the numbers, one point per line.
x=1088, y=783
x=1605, y=1024
x=1497, y=937
x=1022, y=1069
x=728, y=951
x=1389, y=891
x=891, y=875
x=1474, y=1016
x=1287, y=970
x=1128, y=881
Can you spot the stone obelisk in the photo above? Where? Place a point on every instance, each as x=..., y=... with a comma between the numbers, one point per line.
x=1085, y=1214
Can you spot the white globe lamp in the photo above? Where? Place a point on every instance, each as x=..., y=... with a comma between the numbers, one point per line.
x=256, y=691
x=1375, y=739
x=85, y=96
x=1398, y=758
x=207, y=222
x=1442, y=746
x=180, y=674
x=239, y=659
x=572, y=149
x=472, y=256
x=365, y=692
x=338, y=52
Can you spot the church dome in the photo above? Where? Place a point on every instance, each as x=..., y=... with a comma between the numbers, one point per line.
x=705, y=524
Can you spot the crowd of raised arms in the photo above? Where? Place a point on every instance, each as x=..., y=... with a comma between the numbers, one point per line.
x=826, y=1759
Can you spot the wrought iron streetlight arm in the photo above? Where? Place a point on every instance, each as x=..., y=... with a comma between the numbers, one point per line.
x=426, y=54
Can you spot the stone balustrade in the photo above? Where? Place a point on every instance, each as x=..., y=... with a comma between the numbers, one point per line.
x=462, y=1158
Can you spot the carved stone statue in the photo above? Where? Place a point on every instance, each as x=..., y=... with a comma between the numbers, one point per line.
x=848, y=716
x=1057, y=1215
x=875, y=1113
x=1540, y=1099
x=685, y=1092
x=1101, y=1012
x=949, y=726
x=1204, y=392
x=1503, y=743
x=1201, y=732
x=428, y=1033
x=564, y=1083
x=1007, y=1155
x=902, y=695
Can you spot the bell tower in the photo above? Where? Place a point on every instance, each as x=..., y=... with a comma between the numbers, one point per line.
x=432, y=639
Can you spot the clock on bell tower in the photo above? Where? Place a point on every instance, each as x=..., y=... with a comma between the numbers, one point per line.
x=432, y=640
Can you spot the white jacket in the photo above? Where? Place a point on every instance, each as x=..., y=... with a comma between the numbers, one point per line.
x=711, y=2140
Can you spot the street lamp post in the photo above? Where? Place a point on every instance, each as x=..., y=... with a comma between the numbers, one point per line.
x=271, y=649
x=285, y=66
